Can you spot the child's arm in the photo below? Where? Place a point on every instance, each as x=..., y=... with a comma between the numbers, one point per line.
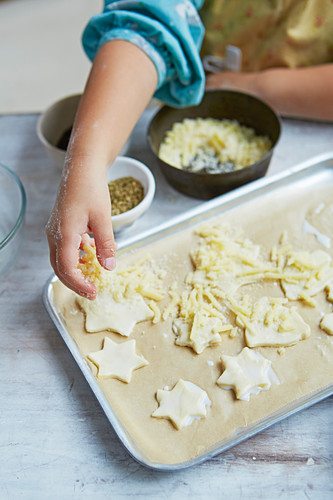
x=138, y=48
x=299, y=93
x=121, y=83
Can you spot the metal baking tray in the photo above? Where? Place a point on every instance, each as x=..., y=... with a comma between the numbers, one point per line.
x=316, y=171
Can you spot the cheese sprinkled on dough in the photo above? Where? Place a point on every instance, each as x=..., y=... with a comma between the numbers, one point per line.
x=272, y=324
x=120, y=303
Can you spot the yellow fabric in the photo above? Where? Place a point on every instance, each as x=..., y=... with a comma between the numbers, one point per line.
x=270, y=33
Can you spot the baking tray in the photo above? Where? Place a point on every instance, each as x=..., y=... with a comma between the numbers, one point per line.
x=316, y=172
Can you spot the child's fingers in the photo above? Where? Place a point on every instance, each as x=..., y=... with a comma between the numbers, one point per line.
x=52, y=255
x=104, y=240
x=66, y=268
x=86, y=239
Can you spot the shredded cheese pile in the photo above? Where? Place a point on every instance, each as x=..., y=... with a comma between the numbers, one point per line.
x=143, y=279
x=226, y=139
x=224, y=261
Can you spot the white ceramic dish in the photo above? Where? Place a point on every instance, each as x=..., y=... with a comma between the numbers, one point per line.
x=124, y=166
x=54, y=122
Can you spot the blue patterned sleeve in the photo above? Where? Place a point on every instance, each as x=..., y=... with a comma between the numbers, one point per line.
x=170, y=32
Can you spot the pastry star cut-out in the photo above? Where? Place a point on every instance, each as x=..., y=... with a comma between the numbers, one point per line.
x=272, y=324
x=117, y=360
x=315, y=272
x=203, y=332
x=105, y=313
x=183, y=404
x=247, y=373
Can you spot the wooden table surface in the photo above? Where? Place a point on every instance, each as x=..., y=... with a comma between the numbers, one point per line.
x=55, y=440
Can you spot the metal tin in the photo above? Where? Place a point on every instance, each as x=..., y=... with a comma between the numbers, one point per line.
x=317, y=171
x=219, y=104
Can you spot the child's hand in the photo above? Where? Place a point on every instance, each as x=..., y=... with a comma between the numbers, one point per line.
x=109, y=108
x=295, y=92
x=83, y=206
x=230, y=80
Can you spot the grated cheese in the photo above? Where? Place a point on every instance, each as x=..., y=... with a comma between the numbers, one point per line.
x=212, y=145
x=120, y=300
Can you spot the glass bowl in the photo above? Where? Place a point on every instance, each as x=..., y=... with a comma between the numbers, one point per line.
x=12, y=216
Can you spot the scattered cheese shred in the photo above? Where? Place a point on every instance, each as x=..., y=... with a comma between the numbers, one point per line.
x=326, y=323
x=156, y=310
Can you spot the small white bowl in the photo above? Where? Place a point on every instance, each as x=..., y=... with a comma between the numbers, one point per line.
x=55, y=121
x=124, y=166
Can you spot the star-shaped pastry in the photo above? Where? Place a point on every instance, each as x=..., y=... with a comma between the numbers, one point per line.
x=247, y=373
x=315, y=272
x=105, y=313
x=117, y=360
x=272, y=324
x=203, y=332
x=184, y=403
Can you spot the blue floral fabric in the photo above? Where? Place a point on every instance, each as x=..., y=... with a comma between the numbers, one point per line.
x=170, y=32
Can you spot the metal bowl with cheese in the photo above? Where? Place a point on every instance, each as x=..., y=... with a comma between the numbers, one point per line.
x=223, y=143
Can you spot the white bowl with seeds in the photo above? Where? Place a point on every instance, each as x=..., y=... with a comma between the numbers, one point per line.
x=132, y=189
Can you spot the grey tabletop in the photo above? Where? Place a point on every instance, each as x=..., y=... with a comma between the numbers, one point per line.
x=55, y=439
